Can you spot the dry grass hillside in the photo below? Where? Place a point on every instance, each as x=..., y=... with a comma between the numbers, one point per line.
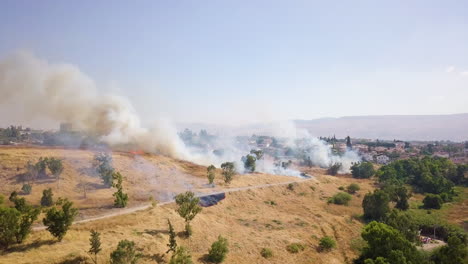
x=145, y=176
x=270, y=217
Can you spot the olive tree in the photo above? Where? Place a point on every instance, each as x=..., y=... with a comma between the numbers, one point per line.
x=188, y=208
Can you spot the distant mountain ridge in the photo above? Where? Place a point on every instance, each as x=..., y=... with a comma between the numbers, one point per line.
x=452, y=127
x=404, y=127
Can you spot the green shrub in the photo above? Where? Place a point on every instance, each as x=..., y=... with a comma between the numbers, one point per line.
x=341, y=188
x=340, y=198
x=218, y=250
x=362, y=170
x=125, y=253
x=27, y=188
x=432, y=201
x=291, y=187
x=295, y=247
x=353, y=188
x=327, y=243
x=266, y=253
x=47, y=198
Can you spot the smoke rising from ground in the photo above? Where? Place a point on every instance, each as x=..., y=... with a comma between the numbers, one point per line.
x=62, y=93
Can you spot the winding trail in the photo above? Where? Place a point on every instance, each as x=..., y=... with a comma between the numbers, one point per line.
x=130, y=210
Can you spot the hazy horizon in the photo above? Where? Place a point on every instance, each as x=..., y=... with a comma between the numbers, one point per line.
x=246, y=62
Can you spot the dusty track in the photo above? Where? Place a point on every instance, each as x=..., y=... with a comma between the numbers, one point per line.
x=130, y=210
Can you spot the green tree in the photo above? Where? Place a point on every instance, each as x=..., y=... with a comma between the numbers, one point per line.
x=55, y=166
x=26, y=189
x=387, y=243
x=181, y=256
x=362, y=170
x=28, y=215
x=47, y=198
x=172, y=238
x=103, y=165
x=249, y=163
x=375, y=205
x=9, y=226
x=404, y=223
x=41, y=167
x=229, y=169
x=258, y=153
x=334, y=168
x=120, y=198
x=432, y=201
x=188, y=208
x=211, y=172
x=454, y=252
x=348, y=143
x=353, y=188
x=58, y=221
x=94, y=244
x=125, y=253
x=218, y=250
x=401, y=198
x=327, y=243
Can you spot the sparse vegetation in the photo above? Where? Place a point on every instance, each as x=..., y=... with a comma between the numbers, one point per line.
x=188, y=208
x=266, y=253
x=218, y=250
x=295, y=248
x=327, y=243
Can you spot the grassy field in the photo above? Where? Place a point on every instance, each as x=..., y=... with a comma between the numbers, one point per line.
x=145, y=176
x=270, y=217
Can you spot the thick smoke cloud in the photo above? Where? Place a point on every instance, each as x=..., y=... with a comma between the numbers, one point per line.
x=62, y=93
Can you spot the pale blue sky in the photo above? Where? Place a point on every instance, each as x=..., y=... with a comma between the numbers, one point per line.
x=242, y=61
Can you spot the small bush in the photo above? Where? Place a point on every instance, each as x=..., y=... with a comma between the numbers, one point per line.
x=27, y=188
x=340, y=198
x=266, y=253
x=218, y=250
x=353, y=188
x=291, y=187
x=432, y=201
x=47, y=198
x=295, y=247
x=125, y=253
x=327, y=243
x=341, y=188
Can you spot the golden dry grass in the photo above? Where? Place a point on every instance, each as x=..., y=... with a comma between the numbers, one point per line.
x=244, y=217
x=145, y=176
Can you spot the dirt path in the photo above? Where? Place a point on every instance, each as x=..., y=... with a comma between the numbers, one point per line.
x=130, y=210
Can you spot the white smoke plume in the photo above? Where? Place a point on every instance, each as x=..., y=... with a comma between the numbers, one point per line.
x=62, y=93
